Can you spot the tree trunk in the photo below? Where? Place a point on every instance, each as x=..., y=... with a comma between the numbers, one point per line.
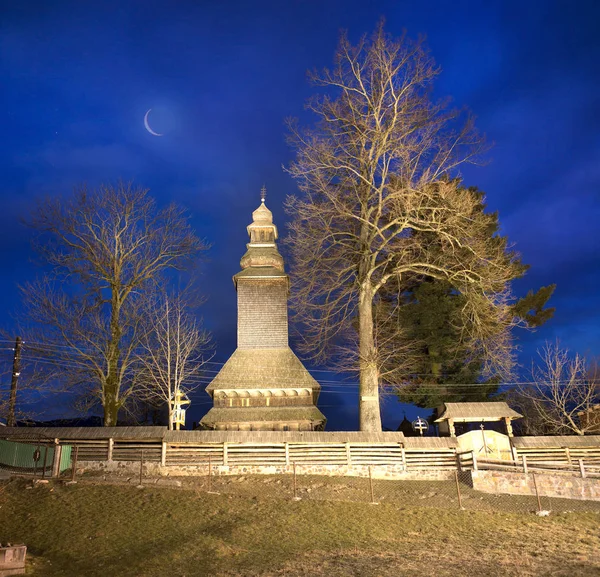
x=112, y=385
x=111, y=407
x=369, y=412
x=435, y=363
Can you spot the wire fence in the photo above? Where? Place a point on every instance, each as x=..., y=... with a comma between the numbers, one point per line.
x=455, y=493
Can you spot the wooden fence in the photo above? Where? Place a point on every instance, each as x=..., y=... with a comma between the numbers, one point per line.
x=583, y=466
x=348, y=449
x=288, y=453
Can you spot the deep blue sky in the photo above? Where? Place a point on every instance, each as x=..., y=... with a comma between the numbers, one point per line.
x=77, y=78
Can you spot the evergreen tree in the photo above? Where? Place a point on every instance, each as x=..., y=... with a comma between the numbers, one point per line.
x=427, y=310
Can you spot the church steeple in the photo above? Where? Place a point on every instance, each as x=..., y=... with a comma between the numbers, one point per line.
x=263, y=385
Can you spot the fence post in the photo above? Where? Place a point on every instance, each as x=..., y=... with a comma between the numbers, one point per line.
x=371, y=485
x=537, y=494
x=458, y=490
x=111, y=445
x=36, y=457
x=458, y=462
x=474, y=457
x=348, y=456
x=209, y=473
x=582, y=468
x=225, y=460
x=294, y=483
x=141, y=466
x=74, y=465
x=403, y=453
x=287, y=454
x=568, y=453
x=514, y=452
x=163, y=454
x=56, y=459
x=524, y=464
x=45, y=461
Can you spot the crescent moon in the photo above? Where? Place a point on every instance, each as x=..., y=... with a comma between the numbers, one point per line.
x=148, y=125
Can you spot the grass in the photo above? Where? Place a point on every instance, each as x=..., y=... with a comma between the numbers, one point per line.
x=95, y=529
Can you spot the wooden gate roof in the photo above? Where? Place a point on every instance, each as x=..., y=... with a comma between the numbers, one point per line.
x=492, y=411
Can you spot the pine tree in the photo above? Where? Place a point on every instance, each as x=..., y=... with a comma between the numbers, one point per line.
x=428, y=311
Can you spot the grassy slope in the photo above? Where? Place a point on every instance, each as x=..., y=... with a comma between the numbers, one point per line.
x=103, y=530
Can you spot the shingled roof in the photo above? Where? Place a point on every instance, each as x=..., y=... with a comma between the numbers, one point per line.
x=558, y=441
x=263, y=369
x=474, y=411
x=124, y=433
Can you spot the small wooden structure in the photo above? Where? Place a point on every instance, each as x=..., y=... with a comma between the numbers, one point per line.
x=451, y=413
x=12, y=560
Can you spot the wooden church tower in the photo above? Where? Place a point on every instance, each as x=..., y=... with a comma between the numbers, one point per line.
x=263, y=386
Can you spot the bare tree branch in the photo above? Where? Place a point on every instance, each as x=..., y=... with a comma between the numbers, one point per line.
x=109, y=249
x=381, y=201
x=175, y=350
x=562, y=386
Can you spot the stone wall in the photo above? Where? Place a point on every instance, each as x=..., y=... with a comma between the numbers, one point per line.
x=564, y=486
x=391, y=472
x=262, y=313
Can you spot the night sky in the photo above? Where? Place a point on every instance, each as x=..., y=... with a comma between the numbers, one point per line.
x=221, y=77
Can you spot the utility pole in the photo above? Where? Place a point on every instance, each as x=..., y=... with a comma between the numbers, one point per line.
x=11, y=421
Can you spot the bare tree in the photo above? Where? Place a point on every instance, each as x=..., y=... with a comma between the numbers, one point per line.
x=562, y=386
x=381, y=201
x=108, y=250
x=175, y=349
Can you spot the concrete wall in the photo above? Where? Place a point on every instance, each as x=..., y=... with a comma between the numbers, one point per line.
x=391, y=472
x=564, y=486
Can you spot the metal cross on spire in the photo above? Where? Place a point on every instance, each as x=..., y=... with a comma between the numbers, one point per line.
x=263, y=193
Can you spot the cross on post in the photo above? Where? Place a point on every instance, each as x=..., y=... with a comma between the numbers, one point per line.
x=420, y=425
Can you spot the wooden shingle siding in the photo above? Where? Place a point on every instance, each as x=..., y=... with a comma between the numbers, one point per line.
x=262, y=314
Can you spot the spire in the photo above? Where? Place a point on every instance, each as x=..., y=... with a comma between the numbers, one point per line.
x=262, y=249
x=263, y=193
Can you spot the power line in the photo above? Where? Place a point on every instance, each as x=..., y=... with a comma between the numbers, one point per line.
x=218, y=363
x=201, y=379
